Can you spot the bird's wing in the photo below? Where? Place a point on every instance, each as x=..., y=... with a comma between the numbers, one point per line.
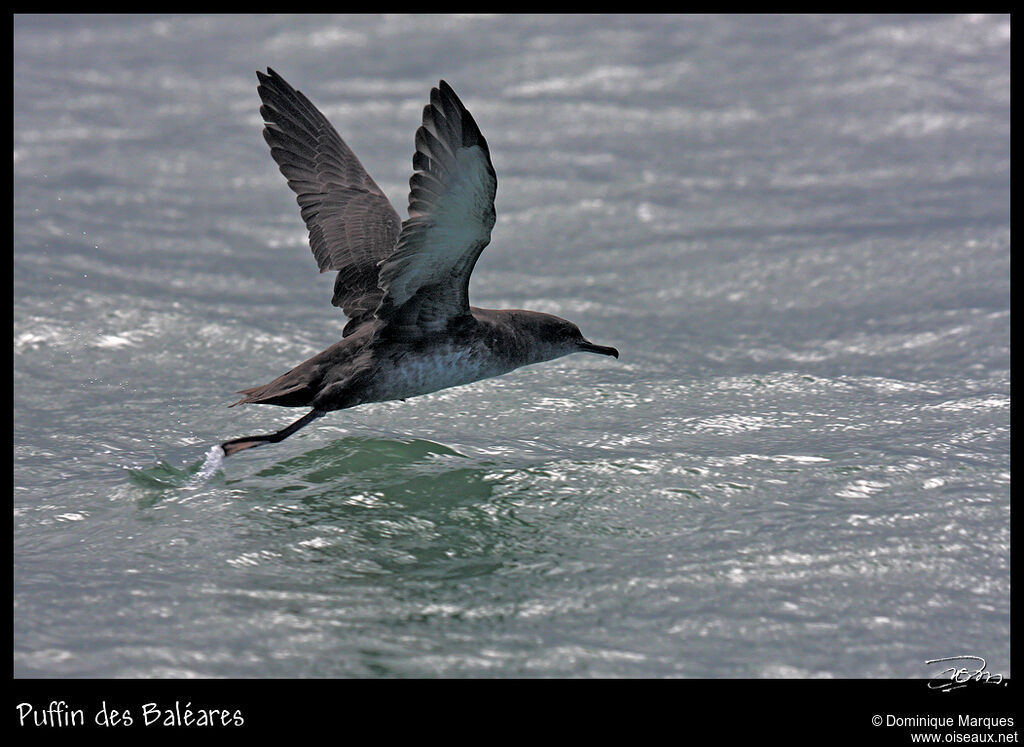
x=451, y=213
x=352, y=225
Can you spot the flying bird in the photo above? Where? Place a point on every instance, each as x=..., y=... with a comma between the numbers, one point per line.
x=404, y=285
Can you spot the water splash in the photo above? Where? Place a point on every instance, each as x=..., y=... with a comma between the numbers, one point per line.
x=211, y=465
x=164, y=476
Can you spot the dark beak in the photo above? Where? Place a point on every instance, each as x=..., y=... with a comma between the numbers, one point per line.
x=590, y=347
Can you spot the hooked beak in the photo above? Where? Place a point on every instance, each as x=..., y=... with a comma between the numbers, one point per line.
x=590, y=347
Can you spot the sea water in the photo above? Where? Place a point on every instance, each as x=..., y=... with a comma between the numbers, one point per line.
x=794, y=229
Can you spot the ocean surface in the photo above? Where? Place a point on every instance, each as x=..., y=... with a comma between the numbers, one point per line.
x=794, y=229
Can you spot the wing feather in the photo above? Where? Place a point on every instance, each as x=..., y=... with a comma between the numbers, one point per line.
x=352, y=225
x=451, y=213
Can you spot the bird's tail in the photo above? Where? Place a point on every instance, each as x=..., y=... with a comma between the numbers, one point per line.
x=249, y=442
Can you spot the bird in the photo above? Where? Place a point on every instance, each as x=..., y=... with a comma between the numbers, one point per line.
x=403, y=285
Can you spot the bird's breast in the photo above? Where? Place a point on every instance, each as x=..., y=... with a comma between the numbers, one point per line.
x=422, y=372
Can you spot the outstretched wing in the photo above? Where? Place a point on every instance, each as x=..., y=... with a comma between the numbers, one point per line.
x=352, y=225
x=451, y=213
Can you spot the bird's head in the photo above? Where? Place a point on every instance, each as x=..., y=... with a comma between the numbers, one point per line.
x=558, y=337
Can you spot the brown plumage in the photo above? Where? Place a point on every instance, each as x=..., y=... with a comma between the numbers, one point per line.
x=403, y=285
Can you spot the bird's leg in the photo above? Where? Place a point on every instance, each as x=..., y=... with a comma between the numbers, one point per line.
x=249, y=442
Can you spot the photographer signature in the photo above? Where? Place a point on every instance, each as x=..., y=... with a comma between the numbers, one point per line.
x=954, y=677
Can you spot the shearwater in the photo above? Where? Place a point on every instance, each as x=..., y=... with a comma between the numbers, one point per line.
x=404, y=286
